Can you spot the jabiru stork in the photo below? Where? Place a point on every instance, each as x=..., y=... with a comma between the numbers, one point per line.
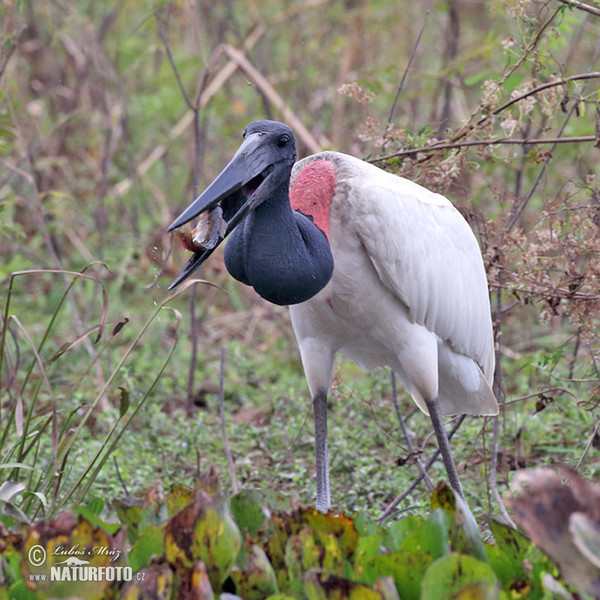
x=371, y=265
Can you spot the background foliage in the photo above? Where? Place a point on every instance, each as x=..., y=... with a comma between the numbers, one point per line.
x=112, y=115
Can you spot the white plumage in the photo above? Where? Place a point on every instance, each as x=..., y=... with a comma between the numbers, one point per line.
x=408, y=291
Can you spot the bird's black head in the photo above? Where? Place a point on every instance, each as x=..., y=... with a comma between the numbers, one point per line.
x=262, y=163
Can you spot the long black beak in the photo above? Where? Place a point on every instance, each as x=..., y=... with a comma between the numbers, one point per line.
x=249, y=163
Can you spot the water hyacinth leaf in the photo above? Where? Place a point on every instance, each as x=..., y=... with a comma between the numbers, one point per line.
x=65, y=543
x=177, y=498
x=204, y=530
x=464, y=536
x=395, y=533
x=195, y=584
x=340, y=526
x=429, y=536
x=586, y=536
x=365, y=525
x=257, y=579
x=249, y=511
x=368, y=547
x=301, y=555
x=322, y=587
x=513, y=543
x=156, y=583
x=544, y=502
x=19, y=591
x=460, y=576
x=149, y=545
x=129, y=512
x=507, y=556
x=139, y=513
x=406, y=567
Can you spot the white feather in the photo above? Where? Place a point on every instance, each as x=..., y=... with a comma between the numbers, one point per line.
x=408, y=291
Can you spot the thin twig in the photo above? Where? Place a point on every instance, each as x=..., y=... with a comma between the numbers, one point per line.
x=273, y=96
x=499, y=141
x=581, y=6
x=390, y=508
x=194, y=357
x=163, y=32
x=230, y=463
x=119, y=476
x=545, y=86
x=404, y=75
x=470, y=126
x=10, y=51
x=595, y=432
x=183, y=124
x=406, y=435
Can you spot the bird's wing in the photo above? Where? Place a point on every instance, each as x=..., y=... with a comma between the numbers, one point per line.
x=427, y=255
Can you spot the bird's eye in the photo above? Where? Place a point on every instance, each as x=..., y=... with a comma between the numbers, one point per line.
x=244, y=134
x=283, y=140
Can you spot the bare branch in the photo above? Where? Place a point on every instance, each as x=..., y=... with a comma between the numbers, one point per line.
x=499, y=141
x=269, y=91
x=581, y=6
x=182, y=125
x=403, y=79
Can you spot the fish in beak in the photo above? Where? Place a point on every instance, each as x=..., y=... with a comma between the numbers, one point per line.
x=241, y=186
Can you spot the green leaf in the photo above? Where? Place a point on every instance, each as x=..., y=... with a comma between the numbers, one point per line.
x=460, y=576
x=177, y=498
x=123, y=401
x=340, y=526
x=429, y=536
x=257, y=579
x=96, y=505
x=150, y=544
x=249, y=511
x=19, y=591
x=406, y=567
x=204, y=530
x=464, y=536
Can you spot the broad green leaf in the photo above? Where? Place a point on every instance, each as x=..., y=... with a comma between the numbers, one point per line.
x=257, y=580
x=406, y=567
x=460, y=576
x=150, y=544
x=249, y=511
x=368, y=547
x=429, y=536
x=340, y=526
x=204, y=530
x=395, y=533
x=177, y=498
x=464, y=536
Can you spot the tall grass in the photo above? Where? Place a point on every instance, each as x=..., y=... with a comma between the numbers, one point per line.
x=41, y=423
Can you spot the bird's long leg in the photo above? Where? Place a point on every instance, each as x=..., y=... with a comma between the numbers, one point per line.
x=320, y=408
x=435, y=414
